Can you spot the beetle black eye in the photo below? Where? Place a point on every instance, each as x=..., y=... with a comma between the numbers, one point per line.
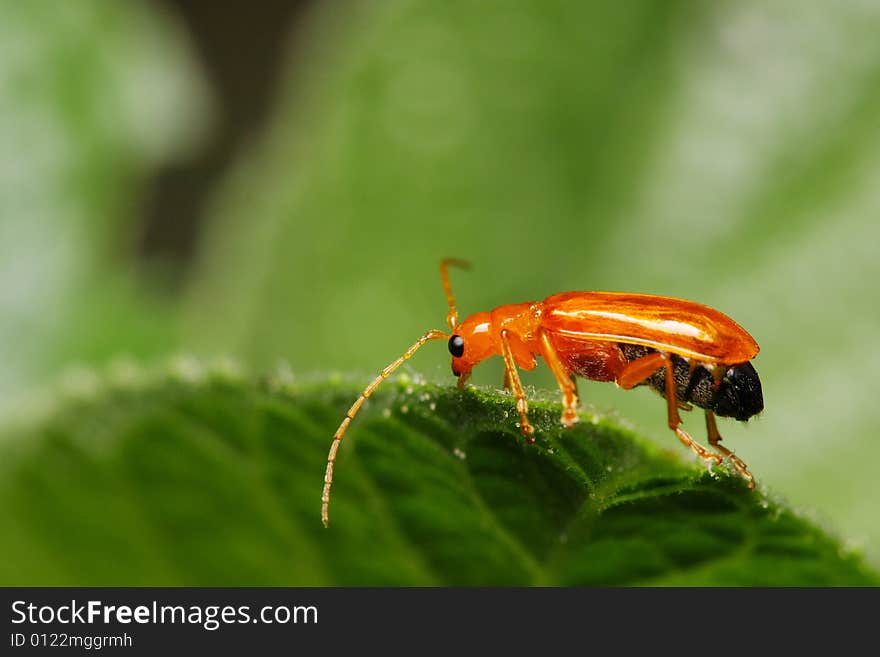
x=456, y=346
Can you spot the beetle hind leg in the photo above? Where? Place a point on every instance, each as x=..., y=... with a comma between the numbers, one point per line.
x=674, y=418
x=697, y=448
x=715, y=441
x=640, y=369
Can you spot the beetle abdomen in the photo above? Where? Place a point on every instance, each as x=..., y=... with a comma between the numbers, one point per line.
x=739, y=395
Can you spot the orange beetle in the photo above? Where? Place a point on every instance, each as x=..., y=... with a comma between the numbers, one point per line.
x=690, y=353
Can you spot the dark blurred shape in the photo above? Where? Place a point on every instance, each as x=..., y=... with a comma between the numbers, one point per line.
x=242, y=47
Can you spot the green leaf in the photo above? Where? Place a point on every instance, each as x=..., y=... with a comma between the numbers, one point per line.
x=203, y=477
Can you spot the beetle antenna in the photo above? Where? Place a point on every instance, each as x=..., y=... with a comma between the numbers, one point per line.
x=452, y=316
x=349, y=416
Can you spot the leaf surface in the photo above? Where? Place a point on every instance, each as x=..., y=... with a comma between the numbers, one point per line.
x=212, y=479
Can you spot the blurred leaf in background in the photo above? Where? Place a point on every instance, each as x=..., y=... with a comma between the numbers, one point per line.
x=94, y=96
x=727, y=153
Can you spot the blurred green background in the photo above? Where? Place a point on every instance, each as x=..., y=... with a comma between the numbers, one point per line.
x=278, y=183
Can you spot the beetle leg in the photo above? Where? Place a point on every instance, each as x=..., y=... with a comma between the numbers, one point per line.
x=674, y=418
x=522, y=405
x=563, y=378
x=715, y=441
x=506, y=382
x=636, y=371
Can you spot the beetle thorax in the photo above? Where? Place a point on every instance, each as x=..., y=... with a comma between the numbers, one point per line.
x=481, y=335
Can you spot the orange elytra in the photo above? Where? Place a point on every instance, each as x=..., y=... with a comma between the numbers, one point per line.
x=688, y=352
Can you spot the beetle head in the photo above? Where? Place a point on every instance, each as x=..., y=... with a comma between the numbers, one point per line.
x=473, y=341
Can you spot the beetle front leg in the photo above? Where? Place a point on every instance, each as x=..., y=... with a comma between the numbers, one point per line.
x=522, y=406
